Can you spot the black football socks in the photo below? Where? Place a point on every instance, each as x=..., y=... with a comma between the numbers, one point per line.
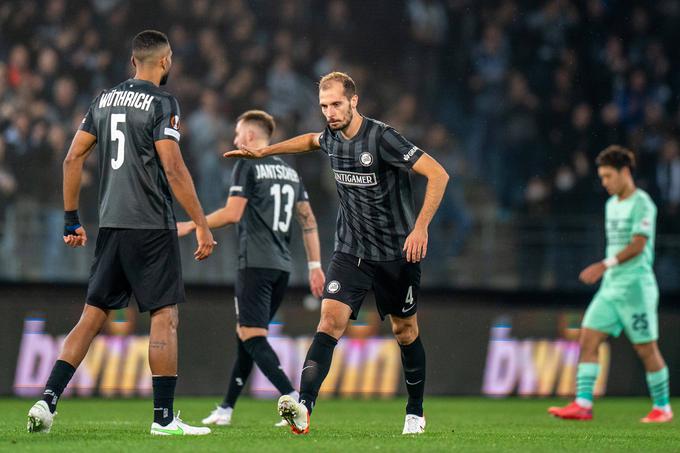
x=163, y=397
x=413, y=360
x=316, y=366
x=243, y=365
x=265, y=358
x=61, y=374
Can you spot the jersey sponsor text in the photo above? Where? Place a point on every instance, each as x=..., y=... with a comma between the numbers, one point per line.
x=351, y=178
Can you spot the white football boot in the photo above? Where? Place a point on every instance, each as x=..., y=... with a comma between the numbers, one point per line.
x=178, y=428
x=294, y=413
x=220, y=416
x=281, y=423
x=414, y=424
x=40, y=418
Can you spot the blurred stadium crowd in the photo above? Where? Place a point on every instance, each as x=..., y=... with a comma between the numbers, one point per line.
x=515, y=98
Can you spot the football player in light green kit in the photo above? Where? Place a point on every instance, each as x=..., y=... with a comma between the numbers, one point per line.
x=628, y=296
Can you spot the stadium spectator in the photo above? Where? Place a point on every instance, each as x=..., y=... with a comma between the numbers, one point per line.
x=490, y=62
x=529, y=88
x=206, y=127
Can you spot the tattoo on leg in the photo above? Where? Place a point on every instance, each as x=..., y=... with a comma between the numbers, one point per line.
x=157, y=344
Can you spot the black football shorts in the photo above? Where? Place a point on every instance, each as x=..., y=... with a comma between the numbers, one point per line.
x=395, y=283
x=259, y=293
x=145, y=263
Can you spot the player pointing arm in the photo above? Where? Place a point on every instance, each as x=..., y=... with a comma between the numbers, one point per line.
x=415, y=246
x=379, y=241
x=301, y=144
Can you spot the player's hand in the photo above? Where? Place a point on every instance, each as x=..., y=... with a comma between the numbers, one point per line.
x=415, y=246
x=246, y=152
x=317, y=280
x=206, y=243
x=77, y=238
x=592, y=273
x=184, y=228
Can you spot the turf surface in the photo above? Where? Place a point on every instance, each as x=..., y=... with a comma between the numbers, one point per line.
x=454, y=424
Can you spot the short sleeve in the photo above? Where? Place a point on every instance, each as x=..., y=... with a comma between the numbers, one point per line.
x=397, y=151
x=303, y=196
x=644, y=218
x=88, y=124
x=323, y=136
x=241, y=185
x=166, y=121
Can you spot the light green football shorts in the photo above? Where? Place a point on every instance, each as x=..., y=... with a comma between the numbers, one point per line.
x=629, y=305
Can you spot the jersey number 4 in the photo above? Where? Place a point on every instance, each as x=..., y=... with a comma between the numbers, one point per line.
x=118, y=136
x=277, y=191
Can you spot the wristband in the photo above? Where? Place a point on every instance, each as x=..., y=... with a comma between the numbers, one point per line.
x=71, y=222
x=314, y=265
x=610, y=262
x=71, y=217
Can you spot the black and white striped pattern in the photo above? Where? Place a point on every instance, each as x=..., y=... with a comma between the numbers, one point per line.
x=376, y=204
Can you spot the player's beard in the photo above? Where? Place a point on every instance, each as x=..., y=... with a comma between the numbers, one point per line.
x=344, y=124
x=164, y=78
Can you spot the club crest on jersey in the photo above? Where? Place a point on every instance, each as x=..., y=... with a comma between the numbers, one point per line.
x=366, y=159
x=174, y=122
x=333, y=286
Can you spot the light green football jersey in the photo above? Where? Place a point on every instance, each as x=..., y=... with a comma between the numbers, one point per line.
x=636, y=215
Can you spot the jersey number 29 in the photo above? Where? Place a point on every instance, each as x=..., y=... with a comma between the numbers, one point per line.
x=118, y=136
x=277, y=191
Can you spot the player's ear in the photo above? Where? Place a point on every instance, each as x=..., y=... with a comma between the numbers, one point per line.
x=132, y=60
x=354, y=101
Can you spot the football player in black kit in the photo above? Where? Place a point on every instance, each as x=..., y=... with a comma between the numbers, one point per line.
x=379, y=240
x=263, y=196
x=135, y=127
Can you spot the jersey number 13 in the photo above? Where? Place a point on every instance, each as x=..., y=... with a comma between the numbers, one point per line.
x=278, y=191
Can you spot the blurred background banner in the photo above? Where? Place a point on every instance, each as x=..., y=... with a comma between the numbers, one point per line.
x=477, y=343
x=515, y=98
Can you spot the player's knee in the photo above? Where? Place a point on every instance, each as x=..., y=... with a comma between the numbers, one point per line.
x=589, y=350
x=246, y=333
x=167, y=317
x=645, y=350
x=332, y=325
x=90, y=326
x=405, y=333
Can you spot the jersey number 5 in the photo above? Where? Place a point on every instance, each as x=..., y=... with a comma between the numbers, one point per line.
x=277, y=191
x=118, y=136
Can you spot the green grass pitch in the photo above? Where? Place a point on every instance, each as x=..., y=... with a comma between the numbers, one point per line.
x=454, y=424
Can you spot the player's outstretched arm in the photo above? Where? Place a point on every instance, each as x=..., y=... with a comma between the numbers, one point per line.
x=231, y=213
x=300, y=144
x=415, y=246
x=310, y=236
x=183, y=187
x=592, y=274
x=82, y=145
